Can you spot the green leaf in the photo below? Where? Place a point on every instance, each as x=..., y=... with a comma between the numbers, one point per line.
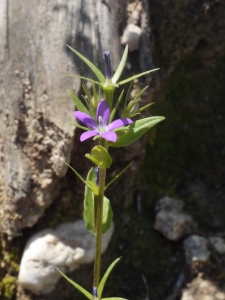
x=136, y=76
x=107, y=215
x=79, y=105
x=79, y=126
x=95, y=70
x=100, y=156
x=87, y=93
x=140, y=93
x=78, y=175
x=146, y=106
x=104, y=278
x=121, y=66
x=116, y=106
x=95, y=97
x=134, y=131
x=89, y=204
x=87, y=79
x=118, y=175
x=77, y=286
x=93, y=187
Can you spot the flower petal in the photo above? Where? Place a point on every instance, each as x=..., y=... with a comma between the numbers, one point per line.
x=109, y=136
x=119, y=123
x=86, y=119
x=88, y=134
x=103, y=111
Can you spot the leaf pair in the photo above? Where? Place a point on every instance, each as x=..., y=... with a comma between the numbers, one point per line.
x=89, y=213
x=104, y=82
x=100, y=287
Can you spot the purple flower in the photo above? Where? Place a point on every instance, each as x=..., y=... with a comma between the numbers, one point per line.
x=101, y=126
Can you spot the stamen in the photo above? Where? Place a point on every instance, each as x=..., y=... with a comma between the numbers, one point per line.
x=100, y=124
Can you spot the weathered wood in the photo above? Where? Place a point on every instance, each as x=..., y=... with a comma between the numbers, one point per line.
x=35, y=138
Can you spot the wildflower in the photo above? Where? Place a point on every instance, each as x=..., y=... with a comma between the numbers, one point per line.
x=101, y=126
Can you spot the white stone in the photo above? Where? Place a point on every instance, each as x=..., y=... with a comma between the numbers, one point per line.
x=170, y=220
x=66, y=247
x=202, y=289
x=195, y=248
x=218, y=244
x=131, y=36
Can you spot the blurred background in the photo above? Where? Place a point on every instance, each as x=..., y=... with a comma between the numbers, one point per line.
x=181, y=158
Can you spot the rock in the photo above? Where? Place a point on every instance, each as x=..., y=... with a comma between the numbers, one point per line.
x=169, y=204
x=218, y=244
x=201, y=289
x=66, y=247
x=131, y=36
x=171, y=221
x=196, y=250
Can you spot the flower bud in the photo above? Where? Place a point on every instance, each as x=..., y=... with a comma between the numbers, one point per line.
x=108, y=66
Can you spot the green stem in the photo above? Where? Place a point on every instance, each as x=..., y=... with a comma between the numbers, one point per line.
x=98, y=236
x=108, y=94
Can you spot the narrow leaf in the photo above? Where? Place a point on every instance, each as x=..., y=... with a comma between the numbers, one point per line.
x=85, y=78
x=79, y=105
x=118, y=175
x=121, y=66
x=81, y=178
x=79, y=126
x=87, y=93
x=77, y=286
x=78, y=175
x=140, y=93
x=89, y=204
x=95, y=70
x=116, y=106
x=100, y=156
x=146, y=106
x=134, y=131
x=107, y=216
x=136, y=76
x=104, y=278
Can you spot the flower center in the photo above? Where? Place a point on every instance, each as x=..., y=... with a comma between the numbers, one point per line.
x=101, y=127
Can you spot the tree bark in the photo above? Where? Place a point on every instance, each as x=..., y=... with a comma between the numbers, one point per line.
x=35, y=109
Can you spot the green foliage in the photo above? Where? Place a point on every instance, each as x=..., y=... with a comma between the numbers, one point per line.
x=95, y=70
x=105, y=277
x=101, y=285
x=100, y=156
x=77, y=286
x=107, y=215
x=134, y=131
x=89, y=204
x=89, y=212
x=8, y=286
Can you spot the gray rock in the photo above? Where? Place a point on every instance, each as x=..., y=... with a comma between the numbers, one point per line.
x=171, y=221
x=196, y=250
x=218, y=244
x=66, y=247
